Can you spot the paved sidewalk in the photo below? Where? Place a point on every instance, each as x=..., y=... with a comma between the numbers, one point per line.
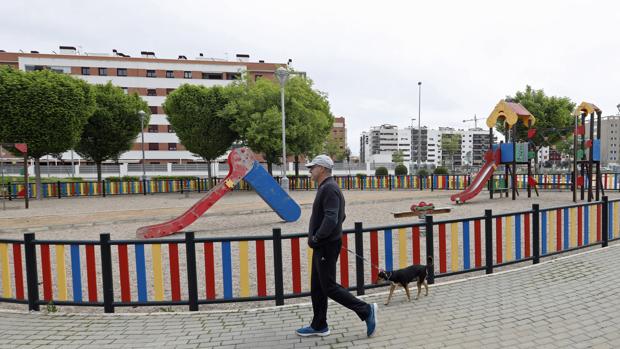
x=571, y=302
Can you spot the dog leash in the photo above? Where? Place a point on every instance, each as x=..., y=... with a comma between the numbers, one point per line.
x=362, y=257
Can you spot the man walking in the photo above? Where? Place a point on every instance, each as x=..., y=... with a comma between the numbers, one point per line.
x=325, y=238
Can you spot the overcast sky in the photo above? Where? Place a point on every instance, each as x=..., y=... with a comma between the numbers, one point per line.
x=367, y=56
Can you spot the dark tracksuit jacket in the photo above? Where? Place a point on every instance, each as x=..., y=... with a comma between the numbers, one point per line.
x=325, y=237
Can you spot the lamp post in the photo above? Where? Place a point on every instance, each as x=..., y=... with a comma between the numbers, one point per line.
x=419, y=129
x=282, y=75
x=618, y=106
x=142, y=115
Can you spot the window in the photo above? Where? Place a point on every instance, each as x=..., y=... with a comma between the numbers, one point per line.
x=172, y=146
x=187, y=74
x=85, y=71
x=170, y=129
x=169, y=74
x=151, y=92
x=257, y=76
x=153, y=146
x=125, y=90
x=150, y=74
x=153, y=110
x=213, y=76
x=153, y=129
x=103, y=71
x=233, y=76
x=121, y=72
x=169, y=91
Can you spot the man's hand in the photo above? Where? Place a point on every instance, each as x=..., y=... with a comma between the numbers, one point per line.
x=313, y=242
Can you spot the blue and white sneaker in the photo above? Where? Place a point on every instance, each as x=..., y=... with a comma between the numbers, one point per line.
x=371, y=321
x=309, y=331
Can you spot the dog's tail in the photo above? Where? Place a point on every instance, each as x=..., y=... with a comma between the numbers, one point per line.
x=429, y=264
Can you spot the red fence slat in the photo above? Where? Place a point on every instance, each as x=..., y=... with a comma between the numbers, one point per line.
x=18, y=271
x=209, y=270
x=344, y=262
x=175, y=282
x=91, y=273
x=374, y=256
x=442, y=248
x=526, y=222
x=261, y=275
x=123, y=266
x=498, y=240
x=477, y=244
x=296, y=265
x=415, y=244
x=46, y=269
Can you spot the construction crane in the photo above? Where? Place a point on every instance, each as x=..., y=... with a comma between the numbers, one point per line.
x=475, y=120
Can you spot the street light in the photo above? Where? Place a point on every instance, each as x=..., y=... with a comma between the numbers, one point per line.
x=618, y=106
x=142, y=114
x=282, y=75
x=419, y=128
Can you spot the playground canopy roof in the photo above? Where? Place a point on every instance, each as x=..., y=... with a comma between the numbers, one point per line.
x=511, y=112
x=586, y=107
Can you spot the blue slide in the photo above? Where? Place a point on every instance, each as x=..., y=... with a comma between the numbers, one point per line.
x=269, y=190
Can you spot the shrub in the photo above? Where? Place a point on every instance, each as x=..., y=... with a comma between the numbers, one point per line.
x=174, y=178
x=423, y=172
x=360, y=175
x=124, y=179
x=381, y=171
x=441, y=171
x=401, y=170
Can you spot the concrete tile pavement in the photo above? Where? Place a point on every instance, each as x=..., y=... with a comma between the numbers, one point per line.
x=570, y=302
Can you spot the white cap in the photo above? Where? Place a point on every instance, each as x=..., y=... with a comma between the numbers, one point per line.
x=321, y=160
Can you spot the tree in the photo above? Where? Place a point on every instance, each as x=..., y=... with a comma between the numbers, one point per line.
x=451, y=145
x=44, y=109
x=196, y=114
x=308, y=120
x=332, y=148
x=398, y=157
x=256, y=108
x=553, y=115
x=113, y=127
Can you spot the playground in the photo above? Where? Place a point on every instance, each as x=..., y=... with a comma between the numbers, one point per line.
x=240, y=249
x=237, y=214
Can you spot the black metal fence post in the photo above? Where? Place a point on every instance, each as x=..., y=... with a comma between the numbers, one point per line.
x=192, y=280
x=9, y=191
x=32, y=279
x=144, y=186
x=536, y=232
x=488, y=240
x=106, y=273
x=605, y=225
x=359, y=262
x=277, y=266
x=58, y=189
x=430, y=247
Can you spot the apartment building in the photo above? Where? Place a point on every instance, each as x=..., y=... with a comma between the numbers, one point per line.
x=153, y=78
x=380, y=142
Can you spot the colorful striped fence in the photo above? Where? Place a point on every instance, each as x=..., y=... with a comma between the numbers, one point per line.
x=191, y=271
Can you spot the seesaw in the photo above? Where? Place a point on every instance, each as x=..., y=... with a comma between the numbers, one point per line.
x=242, y=165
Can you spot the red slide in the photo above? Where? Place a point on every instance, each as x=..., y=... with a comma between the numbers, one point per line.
x=492, y=159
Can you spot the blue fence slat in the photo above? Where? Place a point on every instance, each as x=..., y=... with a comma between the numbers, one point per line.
x=586, y=225
x=227, y=269
x=566, y=229
x=141, y=272
x=466, y=256
x=387, y=239
x=543, y=233
x=518, y=236
x=76, y=273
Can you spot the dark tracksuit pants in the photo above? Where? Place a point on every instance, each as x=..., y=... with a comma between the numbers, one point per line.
x=324, y=286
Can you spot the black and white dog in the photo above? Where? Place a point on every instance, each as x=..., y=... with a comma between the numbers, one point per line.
x=403, y=277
